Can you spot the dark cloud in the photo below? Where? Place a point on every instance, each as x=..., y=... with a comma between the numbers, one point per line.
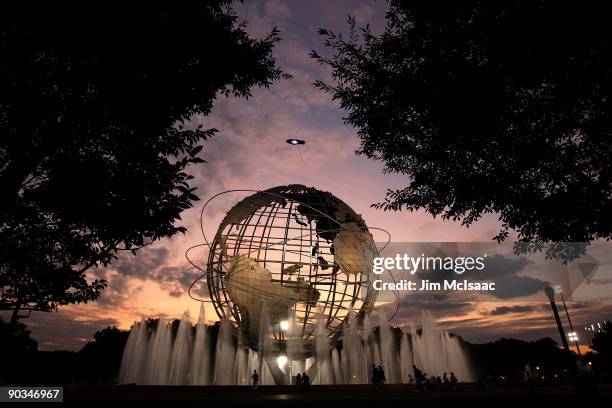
x=504, y=271
x=149, y=263
x=499, y=266
x=121, y=285
x=504, y=310
x=120, y=289
x=176, y=280
x=509, y=287
x=412, y=306
x=142, y=264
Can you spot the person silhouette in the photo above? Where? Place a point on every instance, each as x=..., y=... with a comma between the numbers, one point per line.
x=305, y=381
x=381, y=374
x=298, y=381
x=255, y=380
x=375, y=375
x=453, y=380
x=418, y=376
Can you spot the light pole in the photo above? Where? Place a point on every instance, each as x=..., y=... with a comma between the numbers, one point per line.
x=573, y=336
x=550, y=292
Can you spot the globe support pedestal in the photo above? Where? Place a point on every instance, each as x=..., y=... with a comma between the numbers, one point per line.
x=279, y=377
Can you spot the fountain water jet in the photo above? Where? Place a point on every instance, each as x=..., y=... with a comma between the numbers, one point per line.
x=406, y=358
x=181, y=351
x=157, y=356
x=225, y=354
x=133, y=361
x=389, y=352
x=200, y=359
x=322, y=352
x=353, y=353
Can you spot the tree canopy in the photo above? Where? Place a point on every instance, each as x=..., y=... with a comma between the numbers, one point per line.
x=94, y=149
x=602, y=340
x=15, y=338
x=486, y=107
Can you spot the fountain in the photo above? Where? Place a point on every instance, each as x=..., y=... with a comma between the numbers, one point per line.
x=192, y=356
x=200, y=359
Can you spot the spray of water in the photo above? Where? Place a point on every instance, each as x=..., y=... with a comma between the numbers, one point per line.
x=155, y=356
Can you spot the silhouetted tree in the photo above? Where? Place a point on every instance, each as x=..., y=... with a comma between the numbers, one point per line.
x=16, y=338
x=507, y=357
x=487, y=107
x=94, y=97
x=602, y=340
x=602, y=343
x=102, y=356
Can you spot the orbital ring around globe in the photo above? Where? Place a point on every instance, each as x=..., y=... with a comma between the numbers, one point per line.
x=323, y=272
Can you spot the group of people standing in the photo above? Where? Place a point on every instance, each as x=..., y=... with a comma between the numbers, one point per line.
x=423, y=381
x=420, y=378
x=302, y=381
x=378, y=375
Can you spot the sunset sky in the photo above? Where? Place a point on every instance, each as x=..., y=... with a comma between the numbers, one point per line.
x=250, y=152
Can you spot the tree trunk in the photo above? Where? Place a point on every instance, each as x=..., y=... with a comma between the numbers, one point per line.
x=15, y=315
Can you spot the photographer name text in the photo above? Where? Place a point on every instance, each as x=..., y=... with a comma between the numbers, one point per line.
x=427, y=286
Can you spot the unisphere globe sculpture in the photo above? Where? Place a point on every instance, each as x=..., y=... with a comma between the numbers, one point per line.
x=291, y=258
